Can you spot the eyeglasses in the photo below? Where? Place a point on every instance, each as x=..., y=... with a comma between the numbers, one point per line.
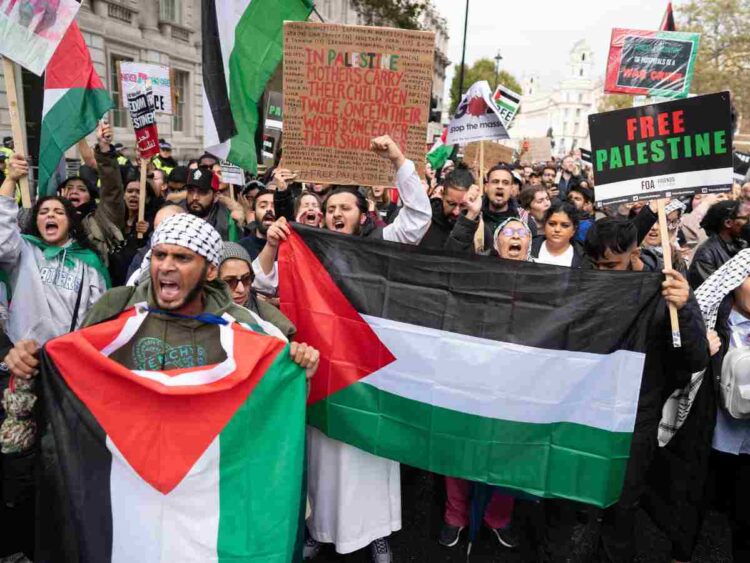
x=232, y=281
x=510, y=231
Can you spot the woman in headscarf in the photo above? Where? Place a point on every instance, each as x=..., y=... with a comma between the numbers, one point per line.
x=677, y=498
x=512, y=240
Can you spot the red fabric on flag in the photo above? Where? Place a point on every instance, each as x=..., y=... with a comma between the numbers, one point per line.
x=71, y=66
x=161, y=431
x=667, y=22
x=325, y=319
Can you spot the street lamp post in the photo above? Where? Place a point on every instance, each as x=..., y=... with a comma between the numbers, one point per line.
x=498, y=58
x=463, y=55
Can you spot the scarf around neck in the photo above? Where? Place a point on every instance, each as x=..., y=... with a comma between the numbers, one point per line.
x=70, y=253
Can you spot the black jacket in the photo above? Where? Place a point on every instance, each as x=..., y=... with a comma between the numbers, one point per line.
x=578, y=252
x=445, y=235
x=711, y=255
x=676, y=498
x=666, y=369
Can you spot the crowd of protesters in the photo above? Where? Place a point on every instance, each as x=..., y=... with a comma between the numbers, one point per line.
x=58, y=260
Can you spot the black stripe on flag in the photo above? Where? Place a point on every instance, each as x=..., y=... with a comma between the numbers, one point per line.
x=586, y=155
x=214, y=79
x=517, y=302
x=511, y=97
x=74, y=512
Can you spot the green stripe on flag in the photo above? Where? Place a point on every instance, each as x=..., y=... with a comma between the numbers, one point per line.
x=262, y=453
x=257, y=51
x=75, y=115
x=506, y=105
x=564, y=460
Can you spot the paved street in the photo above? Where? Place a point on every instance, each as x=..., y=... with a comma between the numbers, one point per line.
x=423, y=497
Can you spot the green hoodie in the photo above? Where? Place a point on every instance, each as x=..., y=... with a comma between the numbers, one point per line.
x=164, y=342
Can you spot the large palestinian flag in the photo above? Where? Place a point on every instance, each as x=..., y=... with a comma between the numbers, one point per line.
x=510, y=373
x=74, y=101
x=242, y=46
x=192, y=464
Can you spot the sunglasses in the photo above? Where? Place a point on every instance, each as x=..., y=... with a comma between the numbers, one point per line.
x=232, y=281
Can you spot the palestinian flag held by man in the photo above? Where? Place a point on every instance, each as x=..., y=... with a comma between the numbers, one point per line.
x=509, y=373
x=184, y=464
x=74, y=101
x=242, y=46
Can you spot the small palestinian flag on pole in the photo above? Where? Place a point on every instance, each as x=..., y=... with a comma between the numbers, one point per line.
x=242, y=46
x=75, y=99
x=507, y=101
x=440, y=152
x=190, y=464
x=667, y=22
x=510, y=373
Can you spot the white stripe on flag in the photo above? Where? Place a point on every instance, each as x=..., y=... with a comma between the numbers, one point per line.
x=51, y=97
x=180, y=526
x=509, y=381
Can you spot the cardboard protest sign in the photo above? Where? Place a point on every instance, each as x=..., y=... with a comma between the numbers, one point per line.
x=231, y=174
x=651, y=63
x=477, y=118
x=663, y=150
x=344, y=86
x=507, y=102
x=493, y=154
x=741, y=161
x=143, y=115
x=31, y=31
x=139, y=75
x=536, y=150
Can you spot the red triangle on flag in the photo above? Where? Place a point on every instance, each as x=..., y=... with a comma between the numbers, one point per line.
x=325, y=319
x=71, y=66
x=161, y=433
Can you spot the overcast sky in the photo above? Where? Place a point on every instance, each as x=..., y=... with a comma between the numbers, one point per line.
x=535, y=36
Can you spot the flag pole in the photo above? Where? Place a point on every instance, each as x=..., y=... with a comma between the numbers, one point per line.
x=666, y=246
x=19, y=144
x=142, y=194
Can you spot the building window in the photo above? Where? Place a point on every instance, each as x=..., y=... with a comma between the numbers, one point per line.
x=179, y=111
x=583, y=57
x=120, y=117
x=169, y=11
x=580, y=71
x=578, y=113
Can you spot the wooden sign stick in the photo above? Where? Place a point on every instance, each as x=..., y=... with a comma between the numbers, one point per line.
x=142, y=195
x=666, y=246
x=19, y=146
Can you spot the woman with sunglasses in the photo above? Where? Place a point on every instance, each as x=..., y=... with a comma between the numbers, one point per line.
x=236, y=271
x=652, y=243
x=556, y=246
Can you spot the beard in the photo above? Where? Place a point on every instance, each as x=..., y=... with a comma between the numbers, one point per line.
x=198, y=210
x=263, y=229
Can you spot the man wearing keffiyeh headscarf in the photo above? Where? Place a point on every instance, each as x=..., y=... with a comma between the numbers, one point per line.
x=186, y=303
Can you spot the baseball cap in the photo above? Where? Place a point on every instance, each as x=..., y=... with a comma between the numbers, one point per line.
x=179, y=174
x=201, y=178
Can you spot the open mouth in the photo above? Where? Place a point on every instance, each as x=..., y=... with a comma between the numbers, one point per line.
x=51, y=228
x=514, y=249
x=168, y=290
x=311, y=217
x=338, y=225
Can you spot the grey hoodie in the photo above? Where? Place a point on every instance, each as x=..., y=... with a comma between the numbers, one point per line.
x=44, y=291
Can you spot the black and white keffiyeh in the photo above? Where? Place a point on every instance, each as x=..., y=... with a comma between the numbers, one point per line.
x=190, y=232
x=709, y=295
